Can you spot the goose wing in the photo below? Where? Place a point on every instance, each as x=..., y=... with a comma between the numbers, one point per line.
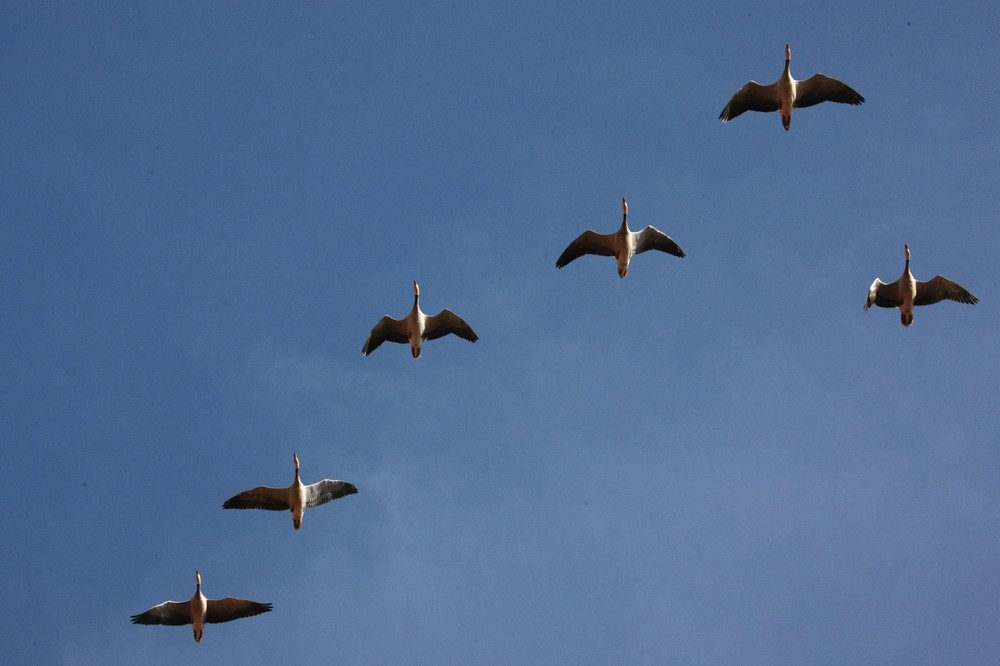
x=446, y=322
x=261, y=497
x=589, y=242
x=328, y=490
x=821, y=88
x=393, y=330
x=169, y=612
x=224, y=610
x=751, y=97
x=652, y=238
x=940, y=288
x=883, y=295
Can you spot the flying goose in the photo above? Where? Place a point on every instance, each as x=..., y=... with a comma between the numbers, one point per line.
x=786, y=94
x=622, y=244
x=906, y=292
x=200, y=611
x=417, y=327
x=295, y=498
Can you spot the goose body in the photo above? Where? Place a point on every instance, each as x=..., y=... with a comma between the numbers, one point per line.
x=200, y=611
x=295, y=498
x=907, y=292
x=786, y=94
x=417, y=327
x=622, y=244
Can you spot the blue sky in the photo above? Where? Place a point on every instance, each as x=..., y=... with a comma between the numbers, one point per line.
x=720, y=459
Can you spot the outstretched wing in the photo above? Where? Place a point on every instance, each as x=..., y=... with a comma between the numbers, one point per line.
x=589, y=242
x=883, y=295
x=393, y=330
x=652, y=238
x=169, y=612
x=821, y=88
x=224, y=610
x=261, y=497
x=446, y=322
x=751, y=97
x=328, y=490
x=940, y=288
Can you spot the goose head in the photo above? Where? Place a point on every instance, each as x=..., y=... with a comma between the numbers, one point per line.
x=788, y=53
x=197, y=579
x=295, y=457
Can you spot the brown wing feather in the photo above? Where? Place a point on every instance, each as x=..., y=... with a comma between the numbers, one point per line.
x=328, y=490
x=887, y=295
x=751, y=97
x=821, y=88
x=446, y=322
x=225, y=610
x=589, y=242
x=940, y=288
x=652, y=238
x=261, y=497
x=173, y=613
x=393, y=330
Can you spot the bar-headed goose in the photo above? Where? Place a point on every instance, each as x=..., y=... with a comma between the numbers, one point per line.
x=200, y=611
x=786, y=94
x=621, y=245
x=295, y=498
x=417, y=327
x=906, y=292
